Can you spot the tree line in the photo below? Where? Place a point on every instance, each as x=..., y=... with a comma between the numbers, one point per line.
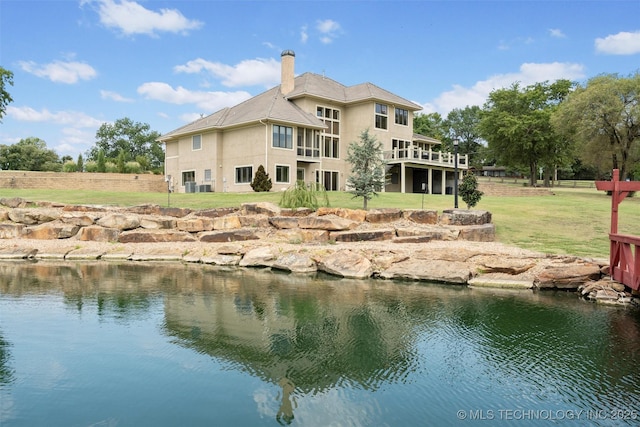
x=579, y=131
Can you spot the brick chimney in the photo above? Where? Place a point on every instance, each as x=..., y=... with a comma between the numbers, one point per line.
x=288, y=59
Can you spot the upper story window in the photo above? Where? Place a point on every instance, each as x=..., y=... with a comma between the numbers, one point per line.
x=196, y=142
x=381, y=116
x=282, y=136
x=402, y=116
x=331, y=135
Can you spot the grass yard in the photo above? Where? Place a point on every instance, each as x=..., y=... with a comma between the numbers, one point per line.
x=573, y=221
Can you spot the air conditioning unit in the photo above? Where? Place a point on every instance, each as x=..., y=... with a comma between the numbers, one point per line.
x=190, y=187
x=204, y=188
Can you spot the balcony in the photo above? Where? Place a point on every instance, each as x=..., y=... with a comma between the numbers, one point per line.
x=425, y=157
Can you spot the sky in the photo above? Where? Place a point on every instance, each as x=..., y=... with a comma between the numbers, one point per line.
x=80, y=63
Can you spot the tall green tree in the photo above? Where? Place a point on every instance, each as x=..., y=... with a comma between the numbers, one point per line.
x=30, y=154
x=603, y=118
x=431, y=124
x=133, y=138
x=6, y=79
x=516, y=123
x=463, y=125
x=367, y=167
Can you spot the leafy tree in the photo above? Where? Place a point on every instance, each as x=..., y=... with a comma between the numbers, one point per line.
x=261, y=182
x=431, y=125
x=603, y=118
x=367, y=167
x=120, y=161
x=468, y=190
x=29, y=154
x=6, y=79
x=516, y=123
x=133, y=138
x=101, y=162
x=463, y=124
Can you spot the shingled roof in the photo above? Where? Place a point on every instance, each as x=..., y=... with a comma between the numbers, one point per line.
x=272, y=106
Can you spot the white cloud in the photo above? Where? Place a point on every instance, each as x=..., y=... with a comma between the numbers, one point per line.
x=75, y=118
x=529, y=73
x=304, y=36
x=59, y=71
x=329, y=30
x=208, y=101
x=557, y=33
x=623, y=43
x=131, y=18
x=250, y=72
x=190, y=117
x=114, y=96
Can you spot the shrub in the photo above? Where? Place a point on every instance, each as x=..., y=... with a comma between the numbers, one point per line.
x=301, y=195
x=132, y=167
x=69, y=166
x=469, y=190
x=261, y=182
x=91, y=166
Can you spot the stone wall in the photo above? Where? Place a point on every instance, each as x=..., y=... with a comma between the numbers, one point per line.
x=252, y=221
x=83, y=181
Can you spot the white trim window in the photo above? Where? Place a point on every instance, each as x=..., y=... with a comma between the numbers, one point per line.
x=282, y=174
x=282, y=137
x=244, y=174
x=207, y=175
x=402, y=116
x=381, y=116
x=196, y=142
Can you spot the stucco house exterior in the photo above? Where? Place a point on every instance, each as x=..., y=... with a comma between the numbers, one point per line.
x=300, y=130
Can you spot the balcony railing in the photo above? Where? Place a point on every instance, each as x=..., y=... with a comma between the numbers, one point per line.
x=418, y=155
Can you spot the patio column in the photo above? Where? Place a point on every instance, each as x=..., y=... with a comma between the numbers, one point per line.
x=430, y=180
x=402, y=173
x=444, y=182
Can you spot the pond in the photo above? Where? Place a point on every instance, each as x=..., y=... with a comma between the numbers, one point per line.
x=131, y=344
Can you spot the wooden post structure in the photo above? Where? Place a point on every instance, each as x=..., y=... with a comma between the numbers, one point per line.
x=624, y=252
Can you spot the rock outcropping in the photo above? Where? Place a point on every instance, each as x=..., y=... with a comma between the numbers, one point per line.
x=456, y=246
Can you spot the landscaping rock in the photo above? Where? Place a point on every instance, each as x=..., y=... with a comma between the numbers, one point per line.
x=295, y=263
x=226, y=223
x=120, y=221
x=11, y=231
x=284, y=222
x=98, y=234
x=194, y=225
x=228, y=236
x=51, y=230
x=478, y=233
x=358, y=215
x=421, y=216
x=362, y=236
x=430, y=270
x=265, y=208
x=327, y=222
x=346, y=263
x=30, y=216
x=465, y=217
x=569, y=276
x=155, y=236
x=259, y=257
x=376, y=216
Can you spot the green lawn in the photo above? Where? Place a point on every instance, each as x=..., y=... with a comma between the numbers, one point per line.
x=572, y=221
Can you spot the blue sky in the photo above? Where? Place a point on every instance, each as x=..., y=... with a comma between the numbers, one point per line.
x=80, y=63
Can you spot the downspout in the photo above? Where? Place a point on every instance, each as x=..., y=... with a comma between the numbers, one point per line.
x=266, y=146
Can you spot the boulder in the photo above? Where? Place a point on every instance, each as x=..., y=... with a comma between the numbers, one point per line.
x=11, y=231
x=221, y=259
x=358, y=215
x=121, y=221
x=83, y=208
x=98, y=234
x=155, y=236
x=346, y=263
x=148, y=209
x=265, y=208
x=284, y=222
x=362, y=236
x=216, y=212
x=569, y=276
x=431, y=233
x=429, y=270
x=13, y=202
x=17, y=253
x=51, y=230
x=226, y=223
x=82, y=220
x=421, y=216
x=194, y=225
x=383, y=215
x=228, y=236
x=29, y=216
x=295, y=263
x=297, y=212
x=478, y=233
x=259, y=257
x=464, y=217
x=327, y=222
x=153, y=222
x=512, y=266
x=297, y=235
x=175, y=212
x=254, y=221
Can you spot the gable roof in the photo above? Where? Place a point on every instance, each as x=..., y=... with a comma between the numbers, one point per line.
x=273, y=106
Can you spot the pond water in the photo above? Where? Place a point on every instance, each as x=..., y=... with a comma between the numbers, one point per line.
x=101, y=344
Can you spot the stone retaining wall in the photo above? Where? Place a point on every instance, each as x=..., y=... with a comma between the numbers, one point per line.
x=83, y=181
x=252, y=221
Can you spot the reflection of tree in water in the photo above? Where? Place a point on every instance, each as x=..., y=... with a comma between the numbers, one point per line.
x=6, y=372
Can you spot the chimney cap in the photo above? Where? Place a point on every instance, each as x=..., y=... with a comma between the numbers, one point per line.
x=288, y=53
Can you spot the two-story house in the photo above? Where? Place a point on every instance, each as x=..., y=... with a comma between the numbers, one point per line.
x=300, y=130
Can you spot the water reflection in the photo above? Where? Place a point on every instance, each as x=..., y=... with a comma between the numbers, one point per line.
x=308, y=337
